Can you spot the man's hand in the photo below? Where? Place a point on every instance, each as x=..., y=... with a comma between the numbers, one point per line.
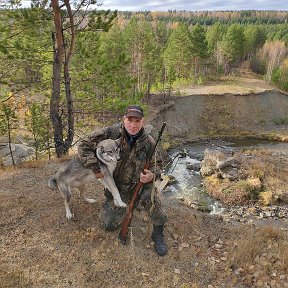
x=147, y=177
x=99, y=175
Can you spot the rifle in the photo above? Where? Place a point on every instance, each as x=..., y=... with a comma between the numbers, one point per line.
x=137, y=194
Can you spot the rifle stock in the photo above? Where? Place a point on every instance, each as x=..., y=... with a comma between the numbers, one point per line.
x=136, y=195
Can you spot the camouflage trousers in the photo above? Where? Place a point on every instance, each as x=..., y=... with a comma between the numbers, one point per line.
x=112, y=216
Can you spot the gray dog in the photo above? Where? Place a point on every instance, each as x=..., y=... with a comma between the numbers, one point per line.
x=73, y=174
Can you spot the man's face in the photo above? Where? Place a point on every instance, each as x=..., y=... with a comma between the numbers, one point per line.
x=133, y=125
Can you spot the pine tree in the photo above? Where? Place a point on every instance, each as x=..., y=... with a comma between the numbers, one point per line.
x=233, y=46
x=254, y=39
x=199, y=47
x=63, y=45
x=178, y=54
x=8, y=122
x=36, y=122
x=113, y=60
x=214, y=36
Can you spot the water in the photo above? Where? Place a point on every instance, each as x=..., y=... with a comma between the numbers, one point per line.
x=188, y=183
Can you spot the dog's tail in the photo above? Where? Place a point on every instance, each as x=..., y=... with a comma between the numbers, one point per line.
x=52, y=183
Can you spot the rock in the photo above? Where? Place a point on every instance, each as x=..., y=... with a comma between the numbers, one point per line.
x=21, y=153
x=172, y=180
x=251, y=268
x=183, y=245
x=218, y=246
x=230, y=173
x=4, y=150
x=175, y=236
x=194, y=165
x=220, y=163
x=177, y=271
x=273, y=283
x=252, y=210
x=231, y=161
x=210, y=161
x=260, y=283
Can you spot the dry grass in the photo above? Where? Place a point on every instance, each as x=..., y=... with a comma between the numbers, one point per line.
x=33, y=164
x=272, y=171
x=255, y=244
x=283, y=254
x=229, y=84
x=40, y=248
x=264, y=180
x=232, y=192
x=8, y=170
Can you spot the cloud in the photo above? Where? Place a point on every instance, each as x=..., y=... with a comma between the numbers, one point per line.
x=132, y=5
x=188, y=5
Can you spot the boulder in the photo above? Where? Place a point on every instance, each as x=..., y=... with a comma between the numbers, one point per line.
x=194, y=165
x=221, y=163
x=21, y=153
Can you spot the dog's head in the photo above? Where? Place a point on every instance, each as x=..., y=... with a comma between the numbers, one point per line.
x=108, y=150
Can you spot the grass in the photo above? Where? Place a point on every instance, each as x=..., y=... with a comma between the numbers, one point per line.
x=48, y=250
x=13, y=278
x=33, y=164
x=263, y=180
x=253, y=248
x=280, y=120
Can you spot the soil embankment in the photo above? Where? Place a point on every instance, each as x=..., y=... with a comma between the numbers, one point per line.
x=210, y=115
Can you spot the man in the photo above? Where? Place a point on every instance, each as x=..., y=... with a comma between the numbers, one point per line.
x=135, y=147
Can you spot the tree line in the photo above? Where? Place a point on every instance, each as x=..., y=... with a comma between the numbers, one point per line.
x=81, y=64
x=211, y=17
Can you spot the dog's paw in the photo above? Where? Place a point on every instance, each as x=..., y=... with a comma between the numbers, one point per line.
x=119, y=203
x=69, y=215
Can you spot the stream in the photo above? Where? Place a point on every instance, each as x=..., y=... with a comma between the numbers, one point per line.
x=188, y=182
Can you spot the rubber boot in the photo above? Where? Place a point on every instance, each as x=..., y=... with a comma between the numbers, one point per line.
x=157, y=236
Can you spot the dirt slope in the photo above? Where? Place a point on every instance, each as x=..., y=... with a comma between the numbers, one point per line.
x=243, y=105
x=40, y=248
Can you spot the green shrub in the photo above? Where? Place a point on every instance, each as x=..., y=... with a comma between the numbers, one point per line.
x=276, y=75
x=284, y=86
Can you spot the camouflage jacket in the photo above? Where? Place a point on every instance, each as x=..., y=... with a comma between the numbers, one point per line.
x=132, y=160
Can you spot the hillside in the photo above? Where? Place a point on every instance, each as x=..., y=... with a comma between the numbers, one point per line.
x=41, y=248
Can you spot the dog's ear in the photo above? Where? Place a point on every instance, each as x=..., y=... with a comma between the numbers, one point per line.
x=118, y=142
x=100, y=148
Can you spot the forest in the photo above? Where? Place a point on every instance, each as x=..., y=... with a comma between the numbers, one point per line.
x=63, y=63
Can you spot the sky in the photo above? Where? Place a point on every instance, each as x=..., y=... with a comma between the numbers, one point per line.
x=194, y=5
x=190, y=5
